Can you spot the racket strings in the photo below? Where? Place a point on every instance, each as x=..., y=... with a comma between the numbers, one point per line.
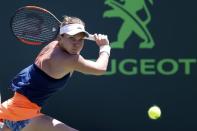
x=35, y=25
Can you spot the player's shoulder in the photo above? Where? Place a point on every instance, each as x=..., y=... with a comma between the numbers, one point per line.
x=53, y=43
x=75, y=59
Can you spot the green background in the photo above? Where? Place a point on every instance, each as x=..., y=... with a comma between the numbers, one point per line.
x=118, y=102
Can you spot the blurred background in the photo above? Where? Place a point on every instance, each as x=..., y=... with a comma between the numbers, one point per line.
x=119, y=101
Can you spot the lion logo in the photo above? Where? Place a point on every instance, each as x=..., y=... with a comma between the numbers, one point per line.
x=127, y=11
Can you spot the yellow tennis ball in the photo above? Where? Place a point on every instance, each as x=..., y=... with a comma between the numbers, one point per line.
x=154, y=112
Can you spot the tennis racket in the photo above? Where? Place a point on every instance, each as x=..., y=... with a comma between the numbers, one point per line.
x=35, y=25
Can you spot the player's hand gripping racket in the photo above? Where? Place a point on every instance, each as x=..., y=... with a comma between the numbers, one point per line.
x=34, y=25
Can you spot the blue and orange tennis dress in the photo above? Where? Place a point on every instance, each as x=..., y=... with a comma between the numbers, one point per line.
x=32, y=87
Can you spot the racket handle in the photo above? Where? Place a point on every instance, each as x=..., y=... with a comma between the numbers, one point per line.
x=91, y=37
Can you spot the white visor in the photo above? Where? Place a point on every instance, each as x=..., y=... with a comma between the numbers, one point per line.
x=73, y=29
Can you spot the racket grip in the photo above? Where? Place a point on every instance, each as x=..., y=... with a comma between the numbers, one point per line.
x=91, y=37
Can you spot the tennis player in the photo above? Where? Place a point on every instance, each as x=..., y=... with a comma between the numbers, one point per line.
x=49, y=73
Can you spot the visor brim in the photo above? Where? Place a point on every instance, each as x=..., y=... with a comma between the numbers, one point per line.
x=77, y=31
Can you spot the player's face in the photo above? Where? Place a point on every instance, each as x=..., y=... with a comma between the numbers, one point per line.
x=73, y=44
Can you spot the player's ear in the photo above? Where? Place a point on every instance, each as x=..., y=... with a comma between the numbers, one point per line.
x=59, y=37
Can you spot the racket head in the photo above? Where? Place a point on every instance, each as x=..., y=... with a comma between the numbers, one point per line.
x=34, y=25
